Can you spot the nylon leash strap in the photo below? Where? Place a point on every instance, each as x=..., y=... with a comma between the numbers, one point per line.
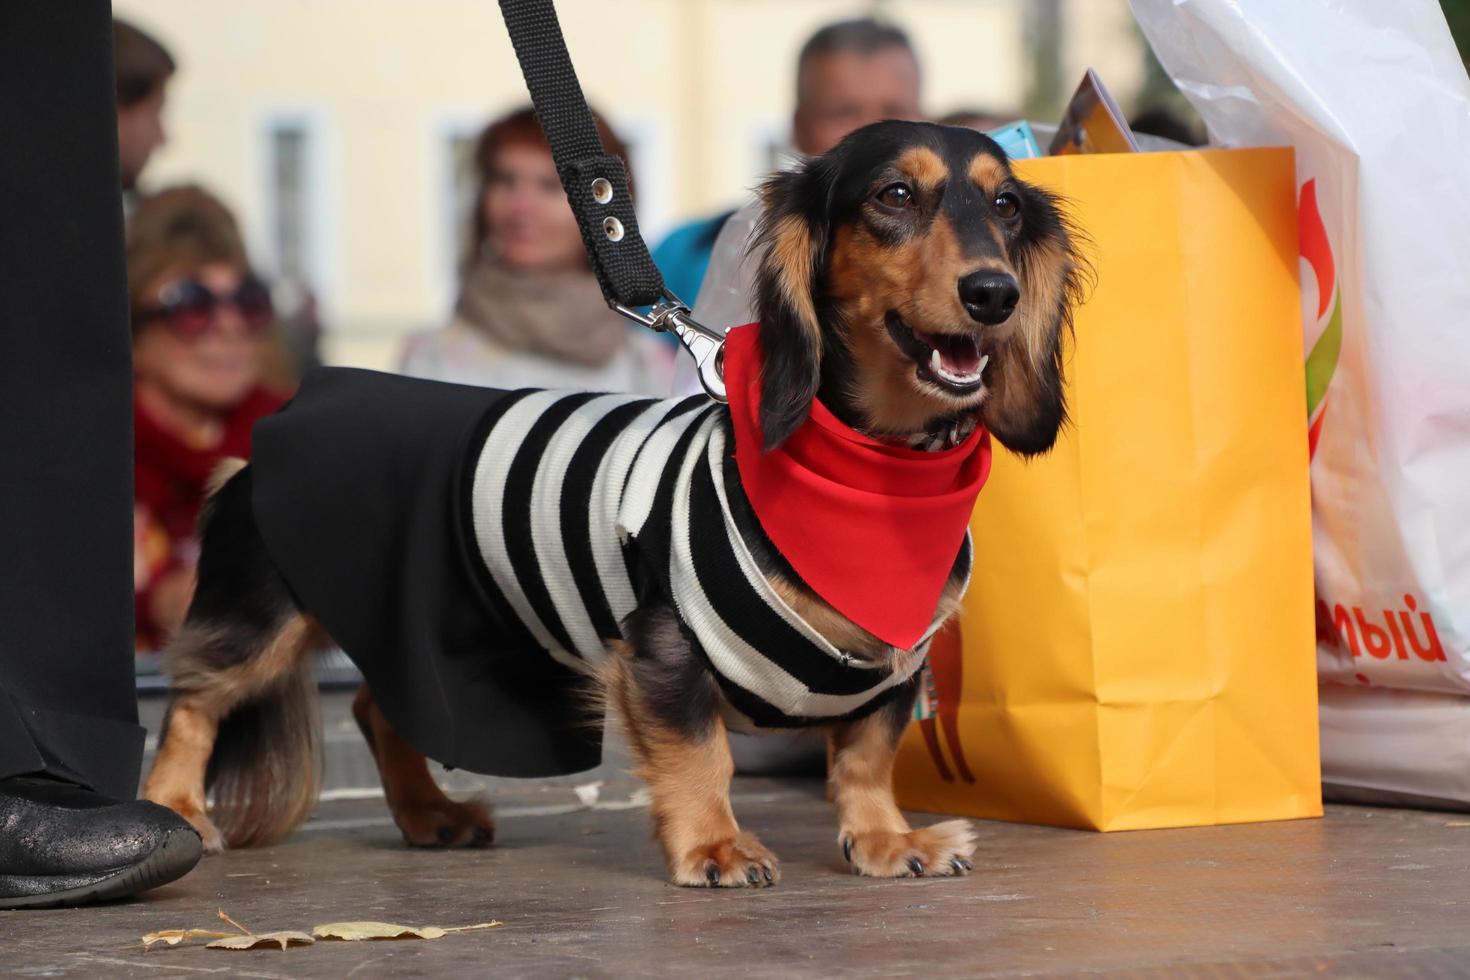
x=596, y=183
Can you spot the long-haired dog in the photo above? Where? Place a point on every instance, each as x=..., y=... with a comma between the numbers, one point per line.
x=910, y=282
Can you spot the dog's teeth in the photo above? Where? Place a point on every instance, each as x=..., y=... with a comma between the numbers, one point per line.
x=936, y=367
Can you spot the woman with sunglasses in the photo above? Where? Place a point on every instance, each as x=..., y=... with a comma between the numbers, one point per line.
x=199, y=318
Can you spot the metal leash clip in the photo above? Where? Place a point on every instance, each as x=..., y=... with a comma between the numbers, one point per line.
x=705, y=344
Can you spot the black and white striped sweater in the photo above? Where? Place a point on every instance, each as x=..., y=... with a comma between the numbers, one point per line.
x=582, y=504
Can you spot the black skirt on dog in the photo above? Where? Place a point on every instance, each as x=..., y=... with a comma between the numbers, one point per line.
x=474, y=551
x=360, y=492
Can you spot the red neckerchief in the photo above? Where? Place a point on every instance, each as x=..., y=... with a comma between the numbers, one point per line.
x=872, y=528
x=169, y=476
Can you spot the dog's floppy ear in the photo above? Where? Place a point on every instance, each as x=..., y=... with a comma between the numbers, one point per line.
x=792, y=242
x=1026, y=406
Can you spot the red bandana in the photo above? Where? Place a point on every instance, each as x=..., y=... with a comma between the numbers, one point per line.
x=873, y=529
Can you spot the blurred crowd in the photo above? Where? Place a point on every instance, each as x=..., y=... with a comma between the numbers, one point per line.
x=212, y=356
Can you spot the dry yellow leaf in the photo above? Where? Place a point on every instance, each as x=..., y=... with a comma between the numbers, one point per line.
x=173, y=937
x=348, y=931
x=289, y=938
x=359, y=931
x=226, y=918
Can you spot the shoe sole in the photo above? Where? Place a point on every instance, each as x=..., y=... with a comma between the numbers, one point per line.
x=174, y=857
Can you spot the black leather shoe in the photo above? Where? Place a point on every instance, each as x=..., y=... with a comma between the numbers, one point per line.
x=61, y=844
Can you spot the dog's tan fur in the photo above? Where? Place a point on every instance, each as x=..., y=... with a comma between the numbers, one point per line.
x=791, y=251
x=987, y=173
x=201, y=701
x=873, y=833
x=424, y=814
x=924, y=167
x=177, y=777
x=689, y=779
x=228, y=467
x=870, y=278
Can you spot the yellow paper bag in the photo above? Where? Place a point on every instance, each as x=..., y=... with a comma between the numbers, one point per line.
x=1136, y=648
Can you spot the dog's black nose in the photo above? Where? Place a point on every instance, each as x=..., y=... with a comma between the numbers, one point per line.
x=989, y=297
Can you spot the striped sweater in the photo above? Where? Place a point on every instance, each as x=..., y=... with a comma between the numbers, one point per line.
x=584, y=505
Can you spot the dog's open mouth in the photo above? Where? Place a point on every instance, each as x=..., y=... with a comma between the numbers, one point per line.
x=951, y=361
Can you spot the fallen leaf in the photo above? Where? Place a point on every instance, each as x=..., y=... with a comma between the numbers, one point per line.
x=173, y=937
x=284, y=939
x=226, y=918
x=358, y=931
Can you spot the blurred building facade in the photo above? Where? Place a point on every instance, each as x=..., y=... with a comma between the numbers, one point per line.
x=339, y=129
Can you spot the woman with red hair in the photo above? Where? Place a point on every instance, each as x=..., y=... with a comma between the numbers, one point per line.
x=530, y=313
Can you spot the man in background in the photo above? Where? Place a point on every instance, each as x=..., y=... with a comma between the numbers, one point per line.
x=143, y=68
x=70, y=744
x=849, y=74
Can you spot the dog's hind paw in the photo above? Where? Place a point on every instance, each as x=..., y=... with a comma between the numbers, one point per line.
x=943, y=849
x=741, y=861
x=214, y=841
x=445, y=823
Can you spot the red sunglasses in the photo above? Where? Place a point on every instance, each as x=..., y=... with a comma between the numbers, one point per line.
x=188, y=307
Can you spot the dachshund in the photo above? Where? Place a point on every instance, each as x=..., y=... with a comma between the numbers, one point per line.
x=910, y=284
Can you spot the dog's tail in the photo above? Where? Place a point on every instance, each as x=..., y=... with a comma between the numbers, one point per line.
x=224, y=472
x=243, y=659
x=266, y=771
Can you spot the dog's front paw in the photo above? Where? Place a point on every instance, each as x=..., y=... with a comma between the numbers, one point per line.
x=445, y=823
x=943, y=849
x=737, y=862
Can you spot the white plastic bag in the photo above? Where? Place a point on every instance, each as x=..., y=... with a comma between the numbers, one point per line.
x=727, y=295
x=1374, y=98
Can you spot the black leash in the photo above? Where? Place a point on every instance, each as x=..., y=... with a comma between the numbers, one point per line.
x=596, y=183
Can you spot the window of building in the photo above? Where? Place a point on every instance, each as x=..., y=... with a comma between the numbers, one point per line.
x=290, y=149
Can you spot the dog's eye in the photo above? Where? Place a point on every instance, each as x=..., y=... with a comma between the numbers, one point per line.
x=1007, y=205
x=896, y=196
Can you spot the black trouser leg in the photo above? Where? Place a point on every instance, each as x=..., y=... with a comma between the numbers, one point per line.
x=67, y=703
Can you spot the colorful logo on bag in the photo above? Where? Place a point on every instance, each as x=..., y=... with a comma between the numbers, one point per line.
x=1349, y=627
x=926, y=705
x=1322, y=361
x=937, y=709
